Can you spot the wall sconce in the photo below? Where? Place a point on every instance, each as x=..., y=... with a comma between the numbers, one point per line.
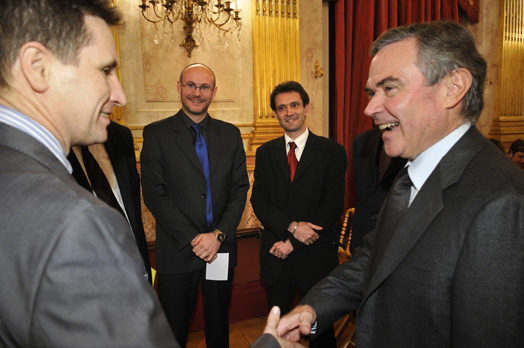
x=194, y=13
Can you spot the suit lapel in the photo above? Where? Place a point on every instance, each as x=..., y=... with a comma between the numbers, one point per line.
x=115, y=148
x=216, y=144
x=78, y=172
x=391, y=247
x=280, y=157
x=308, y=156
x=184, y=140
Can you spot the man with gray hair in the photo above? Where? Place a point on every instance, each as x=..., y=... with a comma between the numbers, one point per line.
x=444, y=266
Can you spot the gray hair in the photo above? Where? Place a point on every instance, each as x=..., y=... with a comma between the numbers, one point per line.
x=443, y=47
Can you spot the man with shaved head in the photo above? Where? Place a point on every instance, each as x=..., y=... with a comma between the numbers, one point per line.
x=195, y=182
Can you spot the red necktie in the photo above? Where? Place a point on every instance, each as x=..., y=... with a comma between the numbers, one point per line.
x=292, y=160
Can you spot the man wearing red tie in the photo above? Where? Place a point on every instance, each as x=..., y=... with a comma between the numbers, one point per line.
x=298, y=195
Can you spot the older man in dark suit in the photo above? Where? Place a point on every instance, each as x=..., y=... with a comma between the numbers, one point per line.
x=298, y=195
x=445, y=266
x=195, y=183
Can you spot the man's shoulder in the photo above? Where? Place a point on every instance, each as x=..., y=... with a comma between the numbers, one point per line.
x=118, y=128
x=366, y=136
x=271, y=144
x=224, y=126
x=481, y=167
x=326, y=143
x=160, y=124
x=33, y=188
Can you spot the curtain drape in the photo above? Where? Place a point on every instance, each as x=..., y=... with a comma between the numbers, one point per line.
x=356, y=24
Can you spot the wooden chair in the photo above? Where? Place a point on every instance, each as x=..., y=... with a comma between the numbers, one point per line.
x=345, y=330
x=345, y=236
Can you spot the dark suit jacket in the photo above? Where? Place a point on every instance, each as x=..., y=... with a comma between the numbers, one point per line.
x=371, y=191
x=451, y=274
x=120, y=148
x=316, y=195
x=174, y=189
x=69, y=274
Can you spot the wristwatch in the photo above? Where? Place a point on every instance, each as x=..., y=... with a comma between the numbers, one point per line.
x=220, y=235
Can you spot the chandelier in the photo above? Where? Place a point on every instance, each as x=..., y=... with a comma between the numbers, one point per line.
x=194, y=14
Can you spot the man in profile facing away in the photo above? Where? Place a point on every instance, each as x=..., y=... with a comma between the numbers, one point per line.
x=445, y=264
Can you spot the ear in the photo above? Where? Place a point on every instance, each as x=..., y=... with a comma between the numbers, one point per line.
x=179, y=86
x=306, y=109
x=34, y=63
x=456, y=85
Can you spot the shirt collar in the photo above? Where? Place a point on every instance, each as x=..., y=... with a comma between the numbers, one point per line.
x=300, y=141
x=188, y=122
x=34, y=129
x=421, y=168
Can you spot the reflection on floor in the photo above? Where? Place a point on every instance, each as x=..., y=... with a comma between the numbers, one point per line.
x=243, y=334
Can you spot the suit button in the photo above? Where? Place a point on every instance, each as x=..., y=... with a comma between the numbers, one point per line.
x=203, y=195
x=374, y=217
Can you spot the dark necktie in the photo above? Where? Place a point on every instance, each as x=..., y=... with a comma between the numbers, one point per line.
x=201, y=151
x=292, y=160
x=398, y=200
x=98, y=180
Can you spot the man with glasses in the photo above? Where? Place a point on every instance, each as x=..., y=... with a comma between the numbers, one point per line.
x=194, y=181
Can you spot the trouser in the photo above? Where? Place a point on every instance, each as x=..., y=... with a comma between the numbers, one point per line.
x=178, y=293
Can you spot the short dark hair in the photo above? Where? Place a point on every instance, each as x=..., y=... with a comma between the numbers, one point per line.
x=442, y=47
x=57, y=24
x=289, y=86
x=517, y=146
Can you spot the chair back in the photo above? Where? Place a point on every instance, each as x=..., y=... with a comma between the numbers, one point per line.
x=345, y=235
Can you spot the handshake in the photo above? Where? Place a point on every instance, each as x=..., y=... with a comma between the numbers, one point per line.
x=288, y=329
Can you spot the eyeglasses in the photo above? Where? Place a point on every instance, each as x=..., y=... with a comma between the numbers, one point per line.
x=193, y=87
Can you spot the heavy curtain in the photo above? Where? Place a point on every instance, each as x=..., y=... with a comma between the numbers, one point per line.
x=356, y=24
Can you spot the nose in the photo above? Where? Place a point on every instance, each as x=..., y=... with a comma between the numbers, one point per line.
x=197, y=91
x=374, y=106
x=118, y=96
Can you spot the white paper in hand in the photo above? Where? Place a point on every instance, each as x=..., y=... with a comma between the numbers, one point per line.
x=217, y=270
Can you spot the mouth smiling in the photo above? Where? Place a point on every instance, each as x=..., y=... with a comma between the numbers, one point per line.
x=386, y=127
x=196, y=101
